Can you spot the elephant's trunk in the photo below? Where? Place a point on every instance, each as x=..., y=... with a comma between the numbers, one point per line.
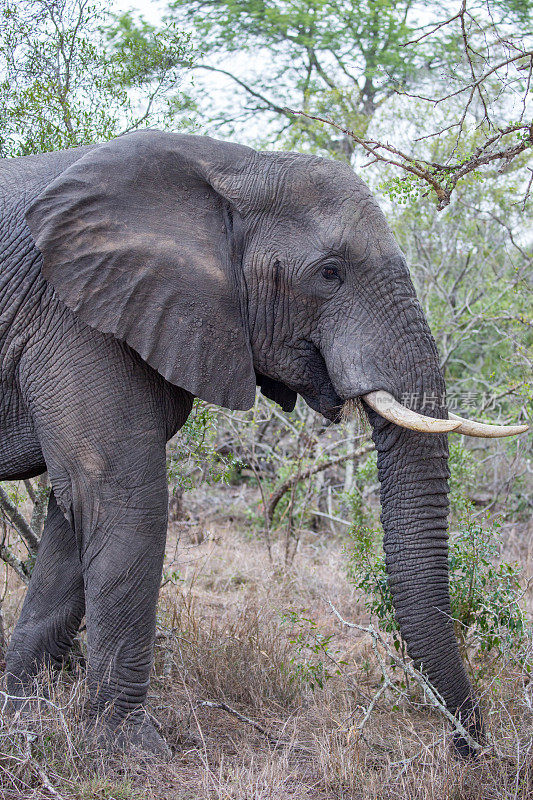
x=413, y=472
x=385, y=354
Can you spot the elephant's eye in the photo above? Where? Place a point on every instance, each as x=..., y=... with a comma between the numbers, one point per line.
x=330, y=273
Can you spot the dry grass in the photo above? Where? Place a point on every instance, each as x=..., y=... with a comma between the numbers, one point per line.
x=222, y=638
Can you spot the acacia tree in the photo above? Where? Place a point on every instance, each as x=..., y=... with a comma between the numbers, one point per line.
x=371, y=78
x=321, y=56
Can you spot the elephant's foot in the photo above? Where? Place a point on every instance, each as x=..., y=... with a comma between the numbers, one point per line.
x=135, y=734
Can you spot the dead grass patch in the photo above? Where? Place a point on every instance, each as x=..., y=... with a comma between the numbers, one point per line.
x=222, y=638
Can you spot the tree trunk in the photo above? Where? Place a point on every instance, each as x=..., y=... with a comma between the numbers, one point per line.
x=2, y=635
x=40, y=504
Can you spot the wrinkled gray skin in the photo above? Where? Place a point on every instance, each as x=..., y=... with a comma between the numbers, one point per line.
x=172, y=266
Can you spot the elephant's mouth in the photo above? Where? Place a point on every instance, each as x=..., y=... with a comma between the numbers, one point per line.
x=319, y=393
x=323, y=397
x=330, y=406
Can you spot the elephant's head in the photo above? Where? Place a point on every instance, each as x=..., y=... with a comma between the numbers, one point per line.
x=222, y=266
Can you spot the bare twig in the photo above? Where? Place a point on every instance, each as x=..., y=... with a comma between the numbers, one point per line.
x=241, y=717
x=278, y=493
x=229, y=710
x=22, y=526
x=430, y=692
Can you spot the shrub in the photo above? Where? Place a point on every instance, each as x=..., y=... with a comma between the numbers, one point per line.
x=485, y=595
x=193, y=456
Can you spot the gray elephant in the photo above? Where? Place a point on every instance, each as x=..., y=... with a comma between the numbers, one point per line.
x=155, y=268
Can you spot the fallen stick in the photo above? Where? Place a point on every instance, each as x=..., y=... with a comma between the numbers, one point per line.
x=229, y=710
x=252, y=722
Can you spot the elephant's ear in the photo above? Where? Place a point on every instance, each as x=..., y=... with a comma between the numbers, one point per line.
x=139, y=243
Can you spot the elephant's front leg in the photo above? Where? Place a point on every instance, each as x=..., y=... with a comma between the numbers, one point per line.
x=103, y=418
x=122, y=561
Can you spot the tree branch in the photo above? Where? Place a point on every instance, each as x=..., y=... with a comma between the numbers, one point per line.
x=22, y=526
x=278, y=493
x=418, y=677
x=15, y=563
x=253, y=92
x=442, y=178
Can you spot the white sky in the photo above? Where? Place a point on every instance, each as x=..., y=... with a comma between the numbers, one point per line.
x=152, y=11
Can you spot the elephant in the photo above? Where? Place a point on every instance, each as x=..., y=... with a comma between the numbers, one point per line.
x=143, y=272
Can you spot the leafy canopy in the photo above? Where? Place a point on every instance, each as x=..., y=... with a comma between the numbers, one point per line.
x=64, y=82
x=343, y=58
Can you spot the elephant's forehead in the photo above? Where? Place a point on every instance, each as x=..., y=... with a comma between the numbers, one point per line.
x=332, y=194
x=323, y=202
x=295, y=179
x=344, y=213
x=357, y=234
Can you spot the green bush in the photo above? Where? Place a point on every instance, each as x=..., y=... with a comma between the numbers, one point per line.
x=485, y=595
x=310, y=647
x=193, y=456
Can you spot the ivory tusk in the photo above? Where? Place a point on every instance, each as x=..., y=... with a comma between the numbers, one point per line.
x=389, y=408
x=482, y=429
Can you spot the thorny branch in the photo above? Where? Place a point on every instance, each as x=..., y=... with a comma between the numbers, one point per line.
x=442, y=178
x=506, y=142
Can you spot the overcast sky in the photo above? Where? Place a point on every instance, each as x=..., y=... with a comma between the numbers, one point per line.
x=149, y=9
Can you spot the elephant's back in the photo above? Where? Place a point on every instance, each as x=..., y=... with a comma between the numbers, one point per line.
x=22, y=179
